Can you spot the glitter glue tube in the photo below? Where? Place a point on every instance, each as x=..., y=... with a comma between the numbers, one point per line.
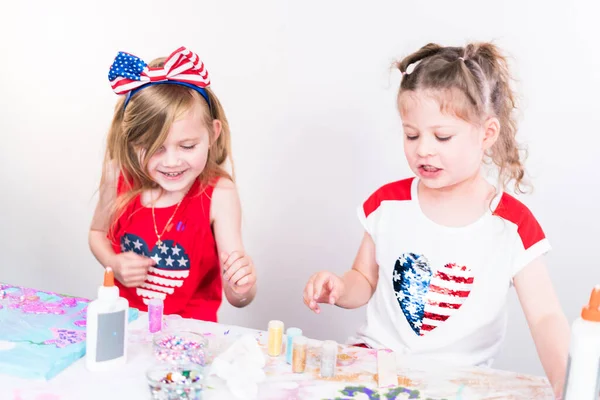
x=290, y=333
x=155, y=315
x=275, y=338
x=328, y=358
x=299, y=348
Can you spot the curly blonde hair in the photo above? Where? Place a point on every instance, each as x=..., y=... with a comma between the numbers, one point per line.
x=479, y=71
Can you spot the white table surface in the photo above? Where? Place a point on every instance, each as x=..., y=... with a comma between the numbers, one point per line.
x=356, y=368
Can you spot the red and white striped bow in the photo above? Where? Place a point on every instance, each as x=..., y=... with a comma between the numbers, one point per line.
x=129, y=72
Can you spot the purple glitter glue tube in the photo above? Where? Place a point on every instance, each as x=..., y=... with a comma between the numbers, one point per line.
x=155, y=315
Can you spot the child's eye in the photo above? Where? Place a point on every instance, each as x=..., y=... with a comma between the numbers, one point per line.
x=412, y=137
x=443, y=138
x=188, y=147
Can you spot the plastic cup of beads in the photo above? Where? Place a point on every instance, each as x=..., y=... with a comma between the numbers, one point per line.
x=180, y=382
x=181, y=348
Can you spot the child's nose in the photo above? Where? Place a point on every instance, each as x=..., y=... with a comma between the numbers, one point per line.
x=425, y=146
x=171, y=159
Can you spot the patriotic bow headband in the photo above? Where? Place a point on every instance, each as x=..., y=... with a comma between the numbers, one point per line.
x=128, y=73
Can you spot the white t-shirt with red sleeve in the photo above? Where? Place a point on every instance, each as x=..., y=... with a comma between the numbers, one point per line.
x=442, y=291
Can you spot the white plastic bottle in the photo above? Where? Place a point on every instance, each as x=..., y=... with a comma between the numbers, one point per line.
x=106, y=327
x=583, y=372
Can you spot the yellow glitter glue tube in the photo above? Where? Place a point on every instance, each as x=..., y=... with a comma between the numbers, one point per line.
x=275, y=338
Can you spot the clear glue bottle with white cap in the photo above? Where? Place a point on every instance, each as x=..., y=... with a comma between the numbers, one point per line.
x=106, y=327
x=583, y=371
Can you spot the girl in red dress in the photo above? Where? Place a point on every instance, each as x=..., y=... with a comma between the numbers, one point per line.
x=168, y=219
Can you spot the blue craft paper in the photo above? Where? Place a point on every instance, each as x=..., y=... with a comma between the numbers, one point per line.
x=30, y=358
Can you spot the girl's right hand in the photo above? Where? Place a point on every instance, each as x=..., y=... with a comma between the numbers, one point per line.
x=323, y=287
x=130, y=268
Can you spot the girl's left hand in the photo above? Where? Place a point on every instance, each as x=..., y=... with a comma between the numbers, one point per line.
x=238, y=271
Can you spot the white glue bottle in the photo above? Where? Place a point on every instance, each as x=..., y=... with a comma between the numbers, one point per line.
x=583, y=370
x=106, y=327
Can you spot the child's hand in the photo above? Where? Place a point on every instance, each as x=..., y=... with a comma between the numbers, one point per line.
x=238, y=271
x=131, y=269
x=323, y=287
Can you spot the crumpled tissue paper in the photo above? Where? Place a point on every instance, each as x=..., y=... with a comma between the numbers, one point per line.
x=241, y=366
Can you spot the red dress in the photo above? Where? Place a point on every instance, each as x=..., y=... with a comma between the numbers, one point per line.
x=187, y=273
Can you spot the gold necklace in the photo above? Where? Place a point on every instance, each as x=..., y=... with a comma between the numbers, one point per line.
x=159, y=241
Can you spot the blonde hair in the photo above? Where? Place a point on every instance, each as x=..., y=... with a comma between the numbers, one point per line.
x=144, y=125
x=479, y=74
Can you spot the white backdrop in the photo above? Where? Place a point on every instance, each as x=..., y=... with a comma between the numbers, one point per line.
x=310, y=96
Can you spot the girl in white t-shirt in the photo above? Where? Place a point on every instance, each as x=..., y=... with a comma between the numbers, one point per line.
x=442, y=249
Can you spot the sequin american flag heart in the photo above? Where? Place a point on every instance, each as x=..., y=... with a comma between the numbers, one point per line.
x=129, y=72
x=429, y=298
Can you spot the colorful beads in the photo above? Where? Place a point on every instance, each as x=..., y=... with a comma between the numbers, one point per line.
x=175, y=342
x=176, y=349
x=181, y=378
x=184, y=382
